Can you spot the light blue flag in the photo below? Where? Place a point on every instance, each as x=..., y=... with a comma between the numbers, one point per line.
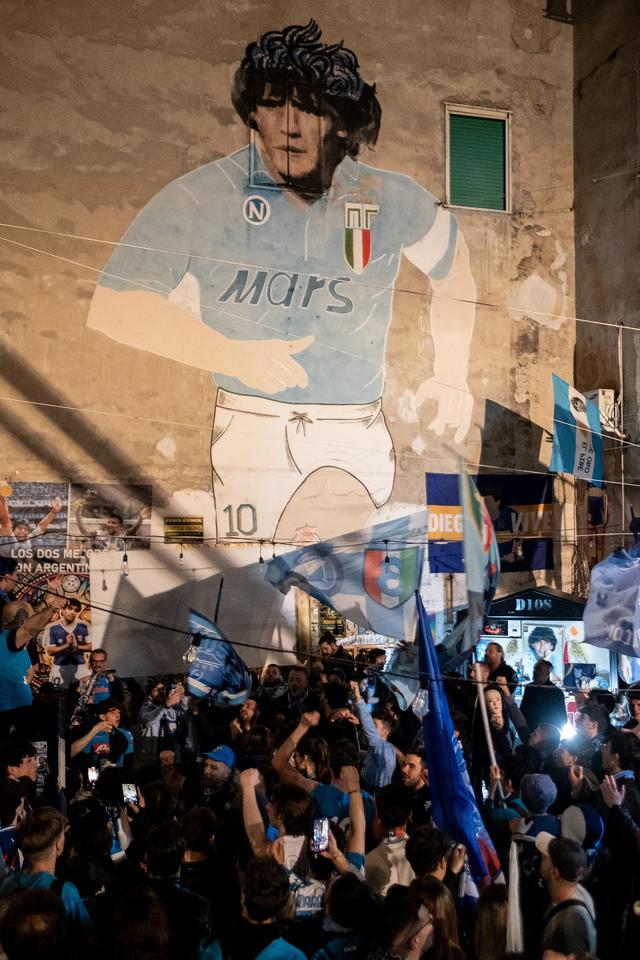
x=369, y=576
x=612, y=612
x=577, y=437
x=217, y=671
x=481, y=557
x=453, y=803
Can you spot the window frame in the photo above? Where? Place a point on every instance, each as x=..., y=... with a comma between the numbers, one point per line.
x=489, y=113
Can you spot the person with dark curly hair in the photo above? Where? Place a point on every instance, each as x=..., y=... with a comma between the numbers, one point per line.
x=247, y=267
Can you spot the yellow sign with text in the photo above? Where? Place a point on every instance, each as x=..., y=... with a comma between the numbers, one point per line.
x=445, y=522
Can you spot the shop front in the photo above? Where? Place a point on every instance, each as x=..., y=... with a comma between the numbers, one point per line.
x=544, y=624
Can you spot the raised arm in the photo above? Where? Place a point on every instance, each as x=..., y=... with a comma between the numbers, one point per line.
x=282, y=756
x=31, y=627
x=6, y=529
x=357, y=821
x=78, y=745
x=253, y=822
x=363, y=710
x=56, y=507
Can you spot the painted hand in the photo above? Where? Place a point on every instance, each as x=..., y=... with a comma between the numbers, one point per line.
x=268, y=365
x=455, y=405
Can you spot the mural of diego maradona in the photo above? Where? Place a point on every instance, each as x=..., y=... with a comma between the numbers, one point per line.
x=274, y=269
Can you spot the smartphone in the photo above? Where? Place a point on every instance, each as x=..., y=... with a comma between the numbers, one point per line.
x=320, y=839
x=92, y=775
x=129, y=793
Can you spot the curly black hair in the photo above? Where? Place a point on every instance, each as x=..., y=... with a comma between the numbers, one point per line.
x=324, y=77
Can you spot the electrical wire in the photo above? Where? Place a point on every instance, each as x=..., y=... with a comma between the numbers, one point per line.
x=252, y=266
x=301, y=655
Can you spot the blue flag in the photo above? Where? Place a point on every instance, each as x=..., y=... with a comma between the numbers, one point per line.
x=369, y=576
x=577, y=437
x=454, y=806
x=217, y=672
x=612, y=613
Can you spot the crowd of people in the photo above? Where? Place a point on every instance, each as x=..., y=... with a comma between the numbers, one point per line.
x=299, y=824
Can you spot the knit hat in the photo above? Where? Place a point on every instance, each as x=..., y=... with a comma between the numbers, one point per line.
x=538, y=791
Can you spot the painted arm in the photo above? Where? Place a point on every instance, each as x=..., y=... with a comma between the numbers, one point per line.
x=152, y=322
x=283, y=754
x=6, y=529
x=56, y=507
x=144, y=513
x=52, y=648
x=452, y=318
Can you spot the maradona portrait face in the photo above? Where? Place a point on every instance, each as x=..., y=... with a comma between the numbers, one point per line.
x=299, y=141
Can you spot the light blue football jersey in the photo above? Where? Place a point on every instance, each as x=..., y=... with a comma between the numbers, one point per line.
x=268, y=268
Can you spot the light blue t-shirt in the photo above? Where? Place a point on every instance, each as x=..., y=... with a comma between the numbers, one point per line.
x=69, y=894
x=334, y=804
x=99, y=746
x=264, y=267
x=14, y=665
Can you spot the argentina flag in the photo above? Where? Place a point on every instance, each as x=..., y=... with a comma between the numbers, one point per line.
x=577, y=438
x=369, y=575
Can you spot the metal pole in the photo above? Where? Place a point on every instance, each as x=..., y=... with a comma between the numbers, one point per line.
x=215, y=616
x=621, y=428
x=480, y=687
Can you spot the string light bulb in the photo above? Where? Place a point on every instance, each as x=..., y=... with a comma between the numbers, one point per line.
x=420, y=705
x=386, y=551
x=191, y=653
x=261, y=563
x=181, y=556
x=124, y=569
x=104, y=581
x=273, y=549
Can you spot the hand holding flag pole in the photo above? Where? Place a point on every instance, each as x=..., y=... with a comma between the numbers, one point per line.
x=482, y=569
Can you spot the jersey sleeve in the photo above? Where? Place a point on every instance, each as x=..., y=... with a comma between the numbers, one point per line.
x=154, y=252
x=430, y=231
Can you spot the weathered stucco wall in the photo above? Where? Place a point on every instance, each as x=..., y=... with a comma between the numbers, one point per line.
x=607, y=147
x=105, y=104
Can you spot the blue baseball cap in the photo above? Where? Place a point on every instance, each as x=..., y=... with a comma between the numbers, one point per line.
x=223, y=755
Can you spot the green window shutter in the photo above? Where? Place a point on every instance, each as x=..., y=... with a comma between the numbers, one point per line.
x=477, y=173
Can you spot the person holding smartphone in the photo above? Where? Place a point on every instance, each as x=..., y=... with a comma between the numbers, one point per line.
x=105, y=741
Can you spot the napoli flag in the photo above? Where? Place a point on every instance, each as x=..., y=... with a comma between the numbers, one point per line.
x=481, y=557
x=612, y=613
x=453, y=804
x=217, y=672
x=577, y=438
x=369, y=576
